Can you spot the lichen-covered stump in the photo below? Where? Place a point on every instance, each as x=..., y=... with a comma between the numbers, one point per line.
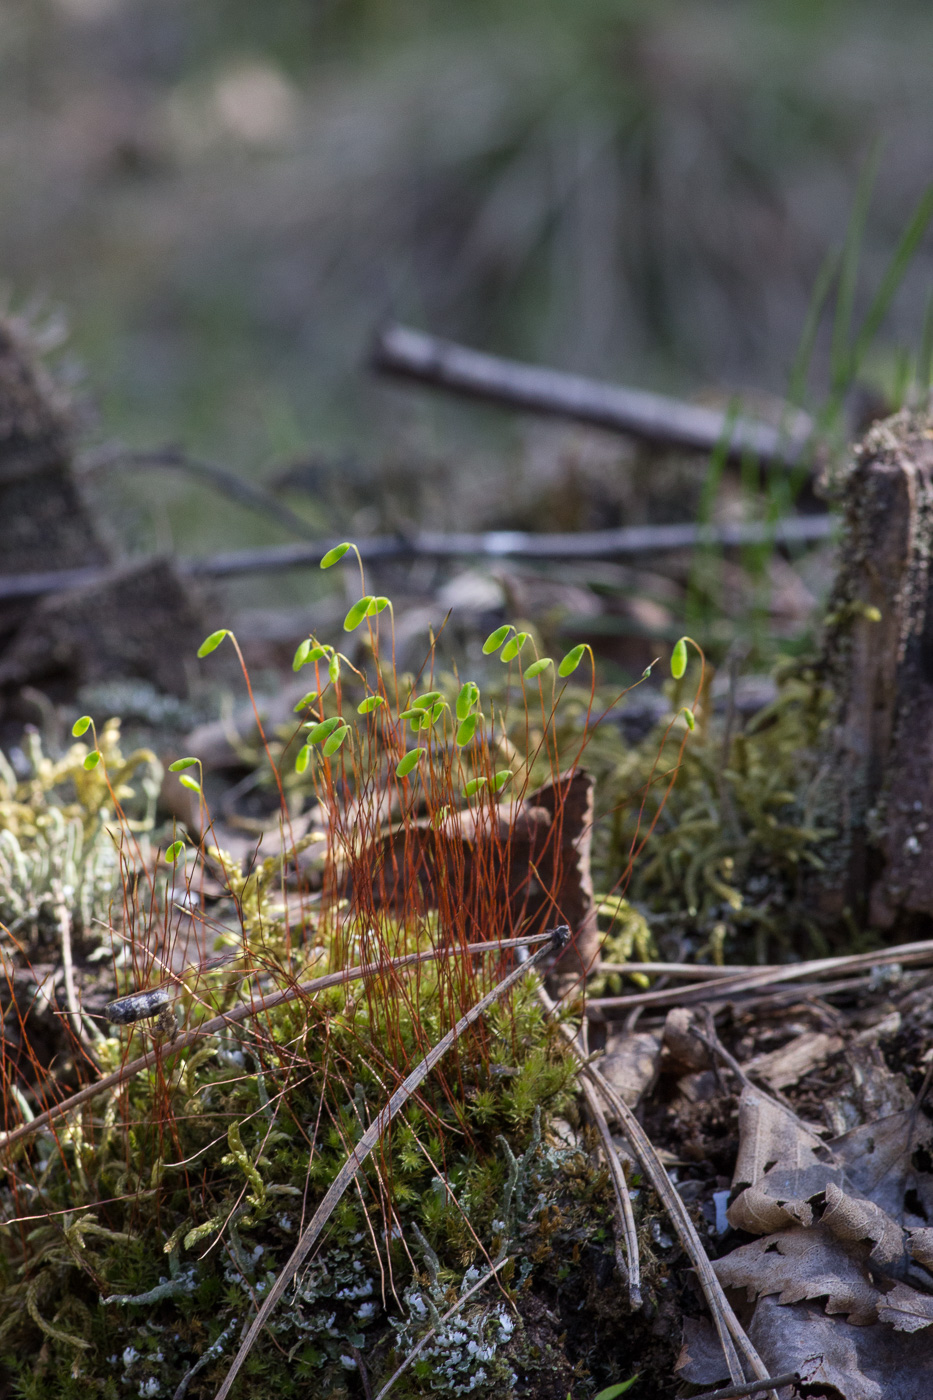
x=875, y=784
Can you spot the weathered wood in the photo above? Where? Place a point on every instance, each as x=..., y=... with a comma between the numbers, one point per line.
x=875, y=785
x=44, y=523
x=135, y=622
x=655, y=418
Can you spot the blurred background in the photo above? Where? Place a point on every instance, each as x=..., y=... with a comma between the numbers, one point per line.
x=224, y=201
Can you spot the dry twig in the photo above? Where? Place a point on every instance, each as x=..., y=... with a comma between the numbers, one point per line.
x=442, y=364
x=242, y=1013
x=373, y=1134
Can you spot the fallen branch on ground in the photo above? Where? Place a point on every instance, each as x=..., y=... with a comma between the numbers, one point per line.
x=442, y=364
x=242, y=1013
x=494, y=544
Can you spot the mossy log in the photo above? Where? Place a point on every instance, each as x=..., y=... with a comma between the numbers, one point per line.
x=875, y=784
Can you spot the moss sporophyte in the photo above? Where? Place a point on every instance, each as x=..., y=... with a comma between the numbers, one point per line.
x=359, y=1048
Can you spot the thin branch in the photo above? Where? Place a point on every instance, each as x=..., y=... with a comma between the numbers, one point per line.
x=220, y=479
x=752, y=1387
x=442, y=364
x=905, y=954
x=428, y=544
x=623, y=1199
x=368, y=1141
x=242, y=1013
x=730, y=1331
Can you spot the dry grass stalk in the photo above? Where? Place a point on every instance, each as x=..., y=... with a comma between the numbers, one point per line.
x=369, y=1140
x=907, y=954
x=242, y=1013
x=732, y=1335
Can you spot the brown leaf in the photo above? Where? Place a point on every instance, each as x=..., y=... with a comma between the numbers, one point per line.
x=769, y=1136
x=906, y=1309
x=524, y=864
x=784, y=1197
x=876, y=1159
x=920, y=1246
x=798, y=1264
x=853, y=1220
x=701, y=1360
x=839, y=1359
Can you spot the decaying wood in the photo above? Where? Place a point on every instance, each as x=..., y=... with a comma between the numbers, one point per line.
x=134, y=622
x=876, y=780
x=44, y=523
x=655, y=418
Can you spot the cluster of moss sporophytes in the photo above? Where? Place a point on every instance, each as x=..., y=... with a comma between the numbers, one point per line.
x=139, y=1232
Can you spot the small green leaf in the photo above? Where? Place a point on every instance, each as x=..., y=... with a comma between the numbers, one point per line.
x=495, y=639
x=646, y=672
x=317, y=653
x=437, y=709
x=413, y=713
x=175, y=850
x=372, y=702
x=409, y=762
x=92, y=760
x=81, y=726
x=335, y=741
x=190, y=783
x=334, y=556
x=612, y=1392
x=426, y=700
x=537, y=667
x=571, y=661
x=212, y=642
x=377, y=606
x=333, y=668
x=505, y=775
x=301, y=655
x=181, y=764
x=512, y=648
x=679, y=659
x=307, y=700
x=466, y=730
x=303, y=759
x=474, y=785
x=356, y=614
x=469, y=694
x=688, y=716
x=317, y=732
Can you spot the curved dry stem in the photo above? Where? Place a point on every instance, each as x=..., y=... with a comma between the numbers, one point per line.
x=242, y=1013
x=556, y=939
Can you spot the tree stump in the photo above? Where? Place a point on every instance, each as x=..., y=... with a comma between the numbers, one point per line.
x=137, y=620
x=44, y=523
x=875, y=783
